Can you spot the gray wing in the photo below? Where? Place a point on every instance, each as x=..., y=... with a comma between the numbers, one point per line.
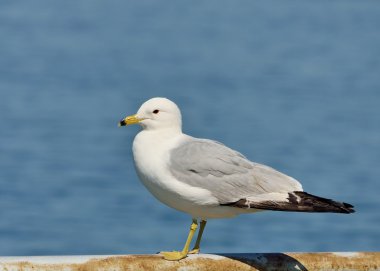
x=226, y=173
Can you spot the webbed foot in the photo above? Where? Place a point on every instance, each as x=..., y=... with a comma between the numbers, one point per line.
x=194, y=251
x=173, y=255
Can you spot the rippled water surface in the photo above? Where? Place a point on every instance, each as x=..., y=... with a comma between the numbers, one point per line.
x=292, y=84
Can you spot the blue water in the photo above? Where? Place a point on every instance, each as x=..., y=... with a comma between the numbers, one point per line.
x=292, y=84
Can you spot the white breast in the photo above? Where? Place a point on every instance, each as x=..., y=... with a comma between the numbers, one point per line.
x=151, y=156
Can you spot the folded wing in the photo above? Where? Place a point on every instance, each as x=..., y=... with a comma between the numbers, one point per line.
x=237, y=182
x=226, y=173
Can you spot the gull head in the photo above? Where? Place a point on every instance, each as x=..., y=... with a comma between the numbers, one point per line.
x=154, y=114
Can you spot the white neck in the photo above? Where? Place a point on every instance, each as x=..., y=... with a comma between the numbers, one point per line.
x=147, y=139
x=162, y=133
x=155, y=142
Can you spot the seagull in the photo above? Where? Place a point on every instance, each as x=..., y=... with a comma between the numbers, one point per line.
x=205, y=178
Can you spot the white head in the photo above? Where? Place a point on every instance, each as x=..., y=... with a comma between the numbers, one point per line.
x=156, y=113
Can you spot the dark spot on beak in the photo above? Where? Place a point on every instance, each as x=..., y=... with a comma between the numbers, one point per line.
x=122, y=123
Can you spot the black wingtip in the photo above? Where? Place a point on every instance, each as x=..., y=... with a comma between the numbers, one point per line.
x=298, y=201
x=324, y=204
x=348, y=208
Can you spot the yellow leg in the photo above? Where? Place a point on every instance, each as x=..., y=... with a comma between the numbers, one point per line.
x=197, y=247
x=178, y=255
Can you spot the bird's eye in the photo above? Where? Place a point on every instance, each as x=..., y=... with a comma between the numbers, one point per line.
x=156, y=111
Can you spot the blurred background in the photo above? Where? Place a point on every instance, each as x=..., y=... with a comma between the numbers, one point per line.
x=291, y=84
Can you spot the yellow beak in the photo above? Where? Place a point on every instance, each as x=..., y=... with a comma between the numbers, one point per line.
x=133, y=119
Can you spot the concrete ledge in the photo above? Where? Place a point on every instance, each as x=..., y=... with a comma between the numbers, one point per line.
x=209, y=262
